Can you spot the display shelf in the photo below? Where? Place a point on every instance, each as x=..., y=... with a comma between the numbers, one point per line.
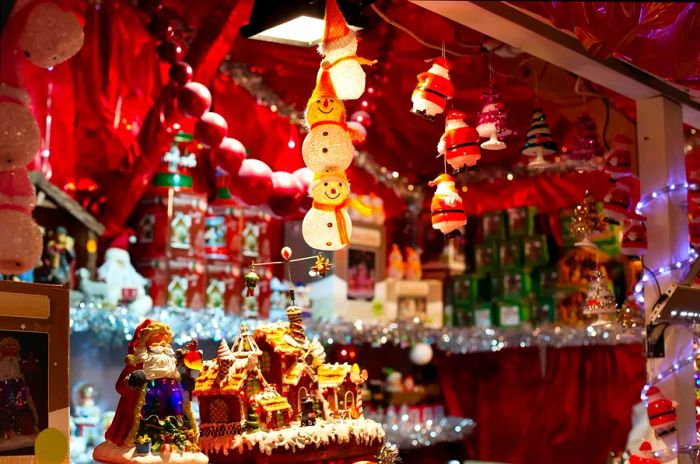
x=111, y=327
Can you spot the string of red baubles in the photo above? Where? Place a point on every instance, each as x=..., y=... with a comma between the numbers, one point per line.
x=252, y=181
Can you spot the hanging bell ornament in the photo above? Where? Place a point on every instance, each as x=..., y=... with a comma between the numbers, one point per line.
x=251, y=280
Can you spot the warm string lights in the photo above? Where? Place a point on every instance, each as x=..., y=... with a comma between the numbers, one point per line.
x=408, y=432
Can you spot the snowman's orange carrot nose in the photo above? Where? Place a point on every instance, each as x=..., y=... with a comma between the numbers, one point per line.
x=325, y=103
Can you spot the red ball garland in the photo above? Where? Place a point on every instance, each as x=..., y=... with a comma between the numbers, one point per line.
x=229, y=156
x=210, y=129
x=286, y=195
x=254, y=182
x=305, y=176
x=194, y=99
x=180, y=73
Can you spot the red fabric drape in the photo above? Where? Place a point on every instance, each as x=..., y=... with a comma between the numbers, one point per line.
x=575, y=413
x=662, y=38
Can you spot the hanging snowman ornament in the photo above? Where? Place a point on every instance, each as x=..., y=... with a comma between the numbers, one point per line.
x=446, y=208
x=433, y=90
x=339, y=49
x=328, y=144
x=327, y=225
x=460, y=143
x=492, y=121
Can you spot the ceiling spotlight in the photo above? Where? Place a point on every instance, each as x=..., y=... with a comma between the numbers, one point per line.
x=297, y=22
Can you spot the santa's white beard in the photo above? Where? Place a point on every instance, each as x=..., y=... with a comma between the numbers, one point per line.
x=9, y=368
x=158, y=362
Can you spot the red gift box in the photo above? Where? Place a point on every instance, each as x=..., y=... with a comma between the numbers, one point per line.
x=170, y=223
x=175, y=282
x=221, y=291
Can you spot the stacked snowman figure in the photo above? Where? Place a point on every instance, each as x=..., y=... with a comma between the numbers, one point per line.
x=327, y=149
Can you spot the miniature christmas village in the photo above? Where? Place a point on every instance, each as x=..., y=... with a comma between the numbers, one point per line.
x=271, y=394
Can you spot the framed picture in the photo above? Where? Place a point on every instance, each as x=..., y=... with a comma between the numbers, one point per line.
x=34, y=365
x=362, y=274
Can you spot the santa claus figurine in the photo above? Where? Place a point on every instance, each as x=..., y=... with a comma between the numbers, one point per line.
x=125, y=285
x=662, y=412
x=434, y=89
x=446, y=208
x=634, y=239
x=18, y=419
x=460, y=143
x=154, y=408
x=621, y=201
x=618, y=161
x=644, y=455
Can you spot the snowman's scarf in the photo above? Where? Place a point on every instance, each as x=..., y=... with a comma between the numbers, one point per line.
x=362, y=61
x=340, y=218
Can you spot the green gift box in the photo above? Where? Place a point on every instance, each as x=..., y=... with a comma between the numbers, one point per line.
x=515, y=284
x=483, y=316
x=544, y=309
x=493, y=226
x=486, y=258
x=512, y=312
x=535, y=252
x=521, y=221
x=463, y=289
x=510, y=254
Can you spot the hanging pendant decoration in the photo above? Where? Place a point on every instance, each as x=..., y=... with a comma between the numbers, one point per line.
x=434, y=89
x=460, y=143
x=251, y=280
x=538, y=142
x=599, y=300
x=446, y=208
x=493, y=121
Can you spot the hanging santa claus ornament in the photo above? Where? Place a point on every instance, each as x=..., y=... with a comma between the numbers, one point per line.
x=446, y=208
x=618, y=161
x=621, y=201
x=644, y=456
x=538, y=142
x=434, y=89
x=661, y=412
x=339, y=49
x=327, y=226
x=634, y=239
x=328, y=145
x=460, y=143
x=492, y=121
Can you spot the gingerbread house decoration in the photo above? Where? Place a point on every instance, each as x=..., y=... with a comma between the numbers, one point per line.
x=272, y=409
x=339, y=385
x=289, y=360
x=227, y=386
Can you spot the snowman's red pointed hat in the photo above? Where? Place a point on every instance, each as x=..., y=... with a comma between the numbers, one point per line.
x=336, y=33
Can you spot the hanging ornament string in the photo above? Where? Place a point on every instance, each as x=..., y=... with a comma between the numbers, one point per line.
x=478, y=49
x=272, y=263
x=492, y=79
x=537, y=90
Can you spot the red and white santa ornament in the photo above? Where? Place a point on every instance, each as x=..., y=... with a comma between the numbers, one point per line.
x=618, y=161
x=634, y=239
x=460, y=143
x=446, y=208
x=621, y=201
x=644, y=456
x=433, y=90
x=661, y=412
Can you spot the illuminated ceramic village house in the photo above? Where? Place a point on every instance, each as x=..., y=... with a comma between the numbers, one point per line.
x=269, y=373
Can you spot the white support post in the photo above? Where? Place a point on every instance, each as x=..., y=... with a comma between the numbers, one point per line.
x=661, y=162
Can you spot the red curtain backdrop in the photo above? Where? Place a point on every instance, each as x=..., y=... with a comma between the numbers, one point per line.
x=575, y=413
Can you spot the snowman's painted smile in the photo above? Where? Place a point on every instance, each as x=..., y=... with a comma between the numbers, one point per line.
x=332, y=198
x=326, y=112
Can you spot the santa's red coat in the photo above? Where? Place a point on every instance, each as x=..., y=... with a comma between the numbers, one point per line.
x=434, y=88
x=125, y=416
